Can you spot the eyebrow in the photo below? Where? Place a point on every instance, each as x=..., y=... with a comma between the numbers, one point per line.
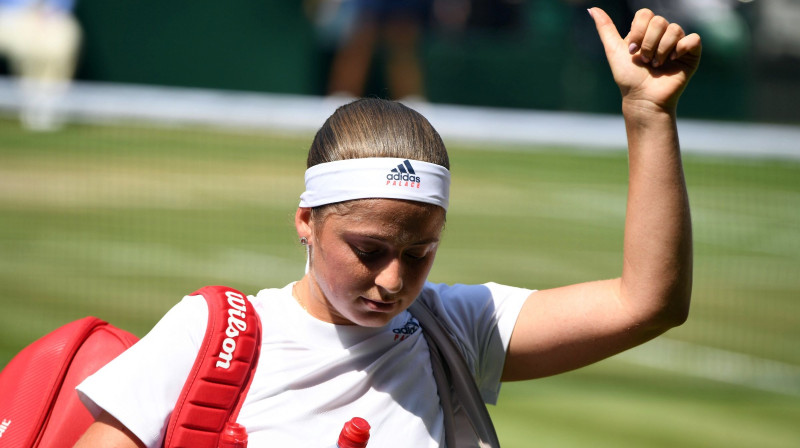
x=403, y=239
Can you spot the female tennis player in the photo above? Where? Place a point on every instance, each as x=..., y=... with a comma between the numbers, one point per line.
x=340, y=342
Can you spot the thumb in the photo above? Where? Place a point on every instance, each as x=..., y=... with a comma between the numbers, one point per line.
x=609, y=35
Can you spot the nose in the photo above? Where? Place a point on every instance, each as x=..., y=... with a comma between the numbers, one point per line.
x=390, y=276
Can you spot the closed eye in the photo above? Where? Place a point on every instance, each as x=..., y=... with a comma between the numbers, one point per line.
x=365, y=254
x=416, y=255
x=419, y=253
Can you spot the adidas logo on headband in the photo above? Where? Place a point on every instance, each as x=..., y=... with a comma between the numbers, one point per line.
x=350, y=179
x=403, y=176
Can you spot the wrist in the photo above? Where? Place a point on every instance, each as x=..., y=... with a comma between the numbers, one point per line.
x=646, y=107
x=646, y=114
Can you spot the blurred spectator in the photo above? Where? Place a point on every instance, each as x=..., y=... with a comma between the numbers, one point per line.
x=778, y=30
x=452, y=15
x=501, y=16
x=333, y=20
x=361, y=28
x=40, y=38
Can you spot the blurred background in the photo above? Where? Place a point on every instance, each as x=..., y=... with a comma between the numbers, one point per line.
x=150, y=148
x=539, y=54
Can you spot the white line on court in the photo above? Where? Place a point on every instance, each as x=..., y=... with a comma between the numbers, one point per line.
x=716, y=364
x=105, y=102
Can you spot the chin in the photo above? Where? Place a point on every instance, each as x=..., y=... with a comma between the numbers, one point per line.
x=371, y=320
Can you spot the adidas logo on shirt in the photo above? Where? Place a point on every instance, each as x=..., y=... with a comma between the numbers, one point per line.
x=403, y=176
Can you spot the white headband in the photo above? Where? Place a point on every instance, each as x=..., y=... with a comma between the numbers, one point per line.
x=376, y=177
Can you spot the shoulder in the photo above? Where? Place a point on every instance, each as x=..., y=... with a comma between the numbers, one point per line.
x=462, y=295
x=268, y=294
x=143, y=402
x=476, y=309
x=187, y=318
x=272, y=299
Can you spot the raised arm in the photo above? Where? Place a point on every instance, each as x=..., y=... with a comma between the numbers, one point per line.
x=566, y=328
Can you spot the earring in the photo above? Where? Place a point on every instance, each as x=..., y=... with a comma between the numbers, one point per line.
x=304, y=241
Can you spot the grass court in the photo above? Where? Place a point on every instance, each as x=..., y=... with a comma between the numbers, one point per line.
x=121, y=221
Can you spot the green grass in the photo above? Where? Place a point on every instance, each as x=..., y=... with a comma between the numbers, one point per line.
x=120, y=222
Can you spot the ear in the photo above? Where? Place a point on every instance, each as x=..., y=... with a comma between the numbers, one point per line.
x=302, y=222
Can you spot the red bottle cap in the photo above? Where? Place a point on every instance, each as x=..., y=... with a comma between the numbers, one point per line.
x=355, y=434
x=233, y=436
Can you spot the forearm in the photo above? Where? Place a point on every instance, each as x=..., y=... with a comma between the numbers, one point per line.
x=565, y=328
x=657, y=265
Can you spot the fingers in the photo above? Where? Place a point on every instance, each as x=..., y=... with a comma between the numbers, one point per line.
x=638, y=29
x=690, y=44
x=605, y=27
x=668, y=44
x=652, y=37
x=657, y=40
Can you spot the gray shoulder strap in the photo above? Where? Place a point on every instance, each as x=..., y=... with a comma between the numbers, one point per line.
x=454, y=380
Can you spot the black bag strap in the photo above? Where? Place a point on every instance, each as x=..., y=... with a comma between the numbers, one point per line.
x=454, y=380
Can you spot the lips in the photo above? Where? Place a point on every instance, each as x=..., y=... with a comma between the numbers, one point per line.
x=378, y=306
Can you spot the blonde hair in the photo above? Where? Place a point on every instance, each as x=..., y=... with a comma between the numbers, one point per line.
x=372, y=127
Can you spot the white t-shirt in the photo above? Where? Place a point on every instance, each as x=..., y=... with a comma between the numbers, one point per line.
x=314, y=376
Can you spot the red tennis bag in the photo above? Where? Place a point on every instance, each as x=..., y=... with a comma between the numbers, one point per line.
x=39, y=406
x=38, y=402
